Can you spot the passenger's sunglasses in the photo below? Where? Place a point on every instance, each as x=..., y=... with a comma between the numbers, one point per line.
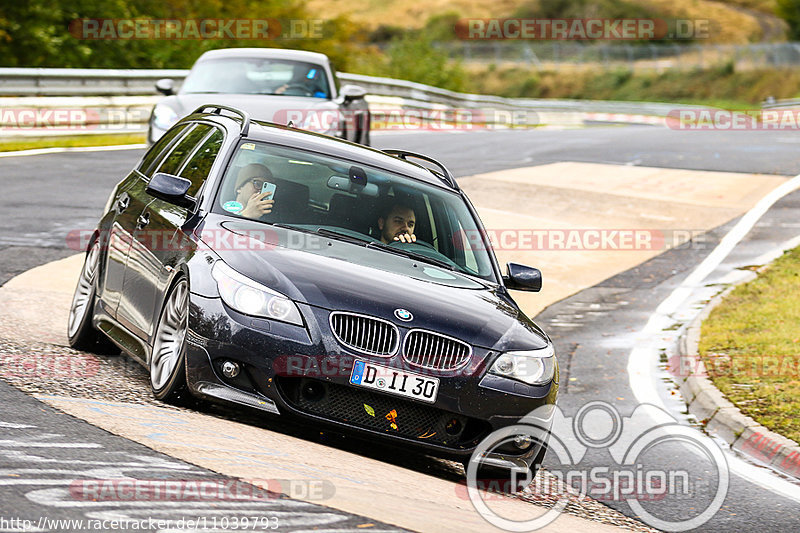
x=258, y=183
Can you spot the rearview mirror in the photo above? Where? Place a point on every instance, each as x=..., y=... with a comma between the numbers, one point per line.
x=523, y=278
x=346, y=184
x=171, y=189
x=165, y=86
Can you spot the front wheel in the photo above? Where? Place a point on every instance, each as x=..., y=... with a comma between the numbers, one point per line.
x=168, y=359
x=80, y=331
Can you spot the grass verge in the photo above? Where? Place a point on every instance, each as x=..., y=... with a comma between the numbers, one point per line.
x=14, y=144
x=750, y=345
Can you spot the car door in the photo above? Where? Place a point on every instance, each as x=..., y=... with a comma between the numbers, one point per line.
x=123, y=225
x=158, y=241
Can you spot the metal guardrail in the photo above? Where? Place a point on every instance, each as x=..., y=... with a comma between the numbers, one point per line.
x=777, y=104
x=82, y=82
x=132, y=93
x=113, y=82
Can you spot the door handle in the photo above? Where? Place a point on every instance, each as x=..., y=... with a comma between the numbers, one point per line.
x=123, y=202
x=143, y=220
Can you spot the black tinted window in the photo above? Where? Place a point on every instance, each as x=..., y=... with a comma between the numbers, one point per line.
x=197, y=168
x=153, y=156
x=183, y=149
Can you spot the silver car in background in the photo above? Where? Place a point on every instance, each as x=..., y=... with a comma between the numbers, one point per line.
x=272, y=84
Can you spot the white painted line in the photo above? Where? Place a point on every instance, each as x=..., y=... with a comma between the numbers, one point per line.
x=10, y=425
x=643, y=357
x=764, y=478
x=61, y=149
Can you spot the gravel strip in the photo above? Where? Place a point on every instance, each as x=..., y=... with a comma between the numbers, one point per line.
x=39, y=368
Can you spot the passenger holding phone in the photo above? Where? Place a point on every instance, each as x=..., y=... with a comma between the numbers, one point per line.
x=254, y=190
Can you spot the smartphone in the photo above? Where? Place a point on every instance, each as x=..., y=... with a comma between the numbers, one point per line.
x=270, y=188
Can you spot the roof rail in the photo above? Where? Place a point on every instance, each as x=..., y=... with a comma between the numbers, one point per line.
x=444, y=175
x=217, y=110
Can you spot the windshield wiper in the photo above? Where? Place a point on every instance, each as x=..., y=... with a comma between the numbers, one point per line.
x=342, y=236
x=325, y=232
x=412, y=255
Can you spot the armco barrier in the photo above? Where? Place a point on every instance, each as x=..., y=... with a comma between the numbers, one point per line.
x=125, y=96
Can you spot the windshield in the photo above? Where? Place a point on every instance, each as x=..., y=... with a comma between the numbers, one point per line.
x=243, y=75
x=372, y=208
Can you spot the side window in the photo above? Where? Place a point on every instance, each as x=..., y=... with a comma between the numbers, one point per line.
x=153, y=156
x=182, y=150
x=199, y=165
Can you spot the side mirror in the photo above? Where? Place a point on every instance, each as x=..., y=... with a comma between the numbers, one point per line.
x=171, y=189
x=350, y=93
x=165, y=86
x=523, y=278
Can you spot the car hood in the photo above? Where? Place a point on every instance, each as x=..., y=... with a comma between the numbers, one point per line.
x=271, y=108
x=341, y=276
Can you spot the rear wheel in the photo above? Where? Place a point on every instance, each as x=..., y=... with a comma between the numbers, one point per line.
x=168, y=359
x=81, y=333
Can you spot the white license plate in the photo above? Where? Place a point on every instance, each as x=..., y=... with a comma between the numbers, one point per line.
x=394, y=381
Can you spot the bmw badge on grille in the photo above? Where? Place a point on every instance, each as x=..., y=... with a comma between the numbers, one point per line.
x=403, y=315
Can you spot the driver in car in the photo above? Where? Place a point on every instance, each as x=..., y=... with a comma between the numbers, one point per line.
x=249, y=185
x=397, y=222
x=306, y=82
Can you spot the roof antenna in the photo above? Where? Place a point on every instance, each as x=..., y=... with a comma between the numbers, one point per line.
x=290, y=124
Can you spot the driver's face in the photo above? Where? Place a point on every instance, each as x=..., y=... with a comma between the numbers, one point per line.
x=399, y=221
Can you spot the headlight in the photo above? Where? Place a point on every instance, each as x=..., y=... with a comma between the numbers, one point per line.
x=534, y=367
x=252, y=298
x=164, y=117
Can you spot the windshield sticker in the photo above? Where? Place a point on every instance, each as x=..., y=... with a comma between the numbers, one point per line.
x=436, y=273
x=248, y=146
x=233, y=206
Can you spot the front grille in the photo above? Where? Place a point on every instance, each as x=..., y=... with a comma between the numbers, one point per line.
x=434, y=351
x=365, y=409
x=365, y=334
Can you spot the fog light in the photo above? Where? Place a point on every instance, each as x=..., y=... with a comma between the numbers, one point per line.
x=453, y=427
x=523, y=442
x=230, y=369
x=312, y=391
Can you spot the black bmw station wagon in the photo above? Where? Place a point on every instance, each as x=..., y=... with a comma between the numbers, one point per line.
x=290, y=272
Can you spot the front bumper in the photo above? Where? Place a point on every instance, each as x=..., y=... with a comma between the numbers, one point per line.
x=304, y=372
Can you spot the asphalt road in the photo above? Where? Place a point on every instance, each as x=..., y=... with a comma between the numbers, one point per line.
x=47, y=196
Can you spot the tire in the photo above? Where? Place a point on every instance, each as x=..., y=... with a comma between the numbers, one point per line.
x=167, y=363
x=80, y=332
